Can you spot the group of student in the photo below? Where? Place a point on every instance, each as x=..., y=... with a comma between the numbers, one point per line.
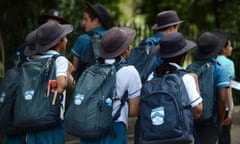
x=51, y=38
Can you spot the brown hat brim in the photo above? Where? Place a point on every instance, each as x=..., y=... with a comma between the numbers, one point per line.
x=156, y=27
x=67, y=28
x=131, y=33
x=103, y=20
x=208, y=46
x=190, y=45
x=198, y=54
x=30, y=42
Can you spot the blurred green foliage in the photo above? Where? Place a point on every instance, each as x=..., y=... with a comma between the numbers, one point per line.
x=17, y=18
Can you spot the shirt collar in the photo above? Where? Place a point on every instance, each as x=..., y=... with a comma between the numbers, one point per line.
x=98, y=29
x=176, y=65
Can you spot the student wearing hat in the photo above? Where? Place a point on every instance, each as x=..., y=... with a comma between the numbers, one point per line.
x=172, y=49
x=115, y=48
x=37, y=46
x=208, y=47
x=48, y=15
x=166, y=22
x=222, y=58
x=50, y=39
x=96, y=19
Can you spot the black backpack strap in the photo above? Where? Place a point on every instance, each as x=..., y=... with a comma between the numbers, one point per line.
x=122, y=100
x=49, y=65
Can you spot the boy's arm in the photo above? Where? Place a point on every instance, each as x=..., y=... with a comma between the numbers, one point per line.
x=222, y=98
x=228, y=120
x=134, y=106
x=197, y=110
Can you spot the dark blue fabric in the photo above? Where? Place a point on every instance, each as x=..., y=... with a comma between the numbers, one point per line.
x=205, y=132
x=17, y=139
x=52, y=136
x=83, y=42
x=165, y=111
x=120, y=136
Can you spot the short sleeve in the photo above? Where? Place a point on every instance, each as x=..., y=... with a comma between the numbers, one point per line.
x=191, y=88
x=61, y=66
x=221, y=76
x=80, y=46
x=128, y=79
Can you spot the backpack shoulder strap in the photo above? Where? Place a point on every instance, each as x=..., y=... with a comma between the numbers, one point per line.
x=124, y=98
x=150, y=41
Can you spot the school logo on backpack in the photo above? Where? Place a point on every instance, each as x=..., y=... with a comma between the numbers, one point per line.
x=165, y=112
x=38, y=104
x=8, y=93
x=204, y=71
x=143, y=60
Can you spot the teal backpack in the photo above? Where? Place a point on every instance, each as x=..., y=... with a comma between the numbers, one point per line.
x=89, y=115
x=37, y=105
x=204, y=71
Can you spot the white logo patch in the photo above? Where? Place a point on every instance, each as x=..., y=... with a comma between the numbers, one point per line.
x=158, y=115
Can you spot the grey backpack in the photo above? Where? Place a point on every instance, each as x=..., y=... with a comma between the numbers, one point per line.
x=89, y=115
x=204, y=71
x=37, y=105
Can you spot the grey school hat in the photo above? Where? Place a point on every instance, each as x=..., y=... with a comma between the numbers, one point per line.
x=165, y=19
x=54, y=14
x=30, y=42
x=172, y=45
x=101, y=12
x=47, y=36
x=208, y=46
x=115, y=41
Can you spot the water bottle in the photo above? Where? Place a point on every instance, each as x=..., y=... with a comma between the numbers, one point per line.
x=17, y=59
x=108, y=101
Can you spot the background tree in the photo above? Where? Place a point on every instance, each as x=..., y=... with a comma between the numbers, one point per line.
x=17, y=18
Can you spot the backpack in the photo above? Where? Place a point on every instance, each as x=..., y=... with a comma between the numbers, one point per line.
x=38, y=104
x=204, y=71
x=89, y=115
x=166, y=115
x=19, y=56
x=91, y=54
x=8, y=93
x=143, y=60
